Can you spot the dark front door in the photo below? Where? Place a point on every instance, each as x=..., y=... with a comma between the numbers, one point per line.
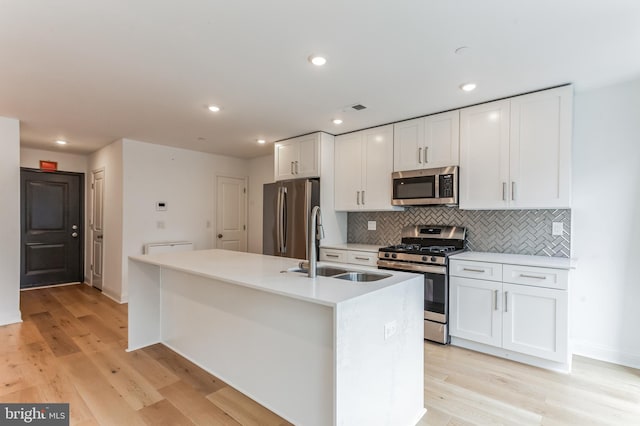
x=51, y=224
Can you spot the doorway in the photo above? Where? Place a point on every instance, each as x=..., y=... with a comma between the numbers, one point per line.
x=51, y=222
x=231, y=213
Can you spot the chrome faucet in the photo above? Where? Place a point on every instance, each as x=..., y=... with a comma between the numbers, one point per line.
x=316, y=231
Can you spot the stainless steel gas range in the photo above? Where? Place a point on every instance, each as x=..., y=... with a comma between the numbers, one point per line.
x=425, y=249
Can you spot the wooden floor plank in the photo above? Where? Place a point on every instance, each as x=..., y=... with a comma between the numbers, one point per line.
x=155, y=373
x=59, y=342
x=198, y=408
x=243, y=409
x=163, y=413
x=187, y=371
x=97, y=327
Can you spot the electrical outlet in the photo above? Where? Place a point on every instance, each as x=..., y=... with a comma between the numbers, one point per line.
x=557, y=228
x=390, y=329
x=371, y=225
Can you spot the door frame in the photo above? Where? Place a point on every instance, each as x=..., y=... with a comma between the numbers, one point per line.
x=246, y=212
x=81, y=218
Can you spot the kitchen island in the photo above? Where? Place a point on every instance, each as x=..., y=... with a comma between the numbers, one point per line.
x=321, y=351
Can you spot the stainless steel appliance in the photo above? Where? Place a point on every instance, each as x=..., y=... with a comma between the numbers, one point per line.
x=425, y=249
x=286, y=216
x=426, y=187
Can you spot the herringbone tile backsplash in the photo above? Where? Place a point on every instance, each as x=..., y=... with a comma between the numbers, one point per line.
x=500, y=231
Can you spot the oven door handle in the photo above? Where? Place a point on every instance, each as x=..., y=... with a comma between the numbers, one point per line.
x=412, y=267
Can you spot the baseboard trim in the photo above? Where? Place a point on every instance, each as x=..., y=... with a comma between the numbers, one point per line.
x=112, y=297
x=602, y=353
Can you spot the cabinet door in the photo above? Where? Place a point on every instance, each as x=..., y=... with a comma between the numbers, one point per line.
x=535, y=321
x=408, y=145
x=377, y=168
x=475, y=310
x=309, y=156
x=285, y=155
x=442, y=140
x=348, y=171
x=484, y=156
x=540, y=150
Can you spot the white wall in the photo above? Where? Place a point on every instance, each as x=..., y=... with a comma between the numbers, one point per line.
x=30, y=157
x=110, y=159
x=606, y=224
x=186, y=181
x=260, y=172
x=10, y=220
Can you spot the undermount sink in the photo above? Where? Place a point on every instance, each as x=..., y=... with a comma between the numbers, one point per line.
x=362, y=276
x=344, y=274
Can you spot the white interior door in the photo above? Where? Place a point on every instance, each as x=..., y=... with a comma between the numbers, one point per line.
x=231, y=213
x=97, y=227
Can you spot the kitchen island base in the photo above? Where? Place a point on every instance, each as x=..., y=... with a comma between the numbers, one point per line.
x=311, y=363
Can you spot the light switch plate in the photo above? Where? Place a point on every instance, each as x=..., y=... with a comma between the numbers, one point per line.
x=557, y=228
x=371, y=225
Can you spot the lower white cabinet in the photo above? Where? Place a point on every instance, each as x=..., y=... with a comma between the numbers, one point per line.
x=518, y=308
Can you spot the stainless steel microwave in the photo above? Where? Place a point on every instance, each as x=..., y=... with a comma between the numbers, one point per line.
x=426, y=187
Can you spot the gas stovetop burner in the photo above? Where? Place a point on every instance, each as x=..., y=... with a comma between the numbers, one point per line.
x=425, y=244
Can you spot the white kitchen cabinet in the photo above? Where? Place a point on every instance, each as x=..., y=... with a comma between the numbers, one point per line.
x=297, y=158
x=426, y=142
x=363, y=167
x=523, y=310
x=516, y=153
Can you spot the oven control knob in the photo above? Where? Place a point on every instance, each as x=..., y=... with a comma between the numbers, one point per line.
x=433, y=258
x=386, y=255
x=394, y=255
x=424, y=258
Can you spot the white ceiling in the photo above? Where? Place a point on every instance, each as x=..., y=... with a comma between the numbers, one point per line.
x=96, y=71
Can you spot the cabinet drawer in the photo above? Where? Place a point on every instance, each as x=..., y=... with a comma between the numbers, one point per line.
x=329, y=255
x=536, y=276
x=362, y=258
x=480, y=270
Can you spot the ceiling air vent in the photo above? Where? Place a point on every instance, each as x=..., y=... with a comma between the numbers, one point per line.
x=358, y=107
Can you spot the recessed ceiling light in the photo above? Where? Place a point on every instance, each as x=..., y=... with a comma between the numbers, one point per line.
x=61, y=142
x=317, y=60
x=337, y=121
x=214, y=108
x=468, y=87
x=261, y=141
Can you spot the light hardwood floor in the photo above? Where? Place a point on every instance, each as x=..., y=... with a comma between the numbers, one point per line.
x=70, y=348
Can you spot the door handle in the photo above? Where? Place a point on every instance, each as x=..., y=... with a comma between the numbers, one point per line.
x=513, y=190
x=297, y=169
x=426, y=154
x=362, y=198
x=220, y=235
x=495, y=300
x=292, y=172
x=99, y=237
x=74, y=227
x=504, y=191
x=420, y=155
x=358, y=197
x=506, y=299
x=74, y=235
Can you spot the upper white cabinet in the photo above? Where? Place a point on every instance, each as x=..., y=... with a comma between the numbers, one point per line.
x=298, y=157
x=363, y=167
x=516, y=153
x=426, y=142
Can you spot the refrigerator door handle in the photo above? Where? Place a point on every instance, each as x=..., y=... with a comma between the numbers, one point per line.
x=283, y=225
x=279, y=219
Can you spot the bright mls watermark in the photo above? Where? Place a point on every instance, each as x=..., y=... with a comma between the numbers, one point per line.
x=34, y=414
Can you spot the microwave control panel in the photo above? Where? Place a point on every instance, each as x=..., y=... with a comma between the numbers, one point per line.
x=446, y=186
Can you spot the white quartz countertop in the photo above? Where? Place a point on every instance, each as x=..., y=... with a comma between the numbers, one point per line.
x=353, y=246
x=517, y=259
x=269, y=273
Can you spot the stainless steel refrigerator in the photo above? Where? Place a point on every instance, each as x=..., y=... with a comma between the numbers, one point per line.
x=286, y=213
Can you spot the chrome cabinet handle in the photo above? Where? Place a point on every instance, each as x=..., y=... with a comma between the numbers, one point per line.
x=297, y=168
x=426, y=154
x=362, y=198
x=292, y=172
x=533, y=276
x=495, y=300
x=506, y=299
x=420, y=155
x=504, y=191
x=362, y=258
x=358, y=197
x=513, y=190
x=473, y=270
x=331, y=255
